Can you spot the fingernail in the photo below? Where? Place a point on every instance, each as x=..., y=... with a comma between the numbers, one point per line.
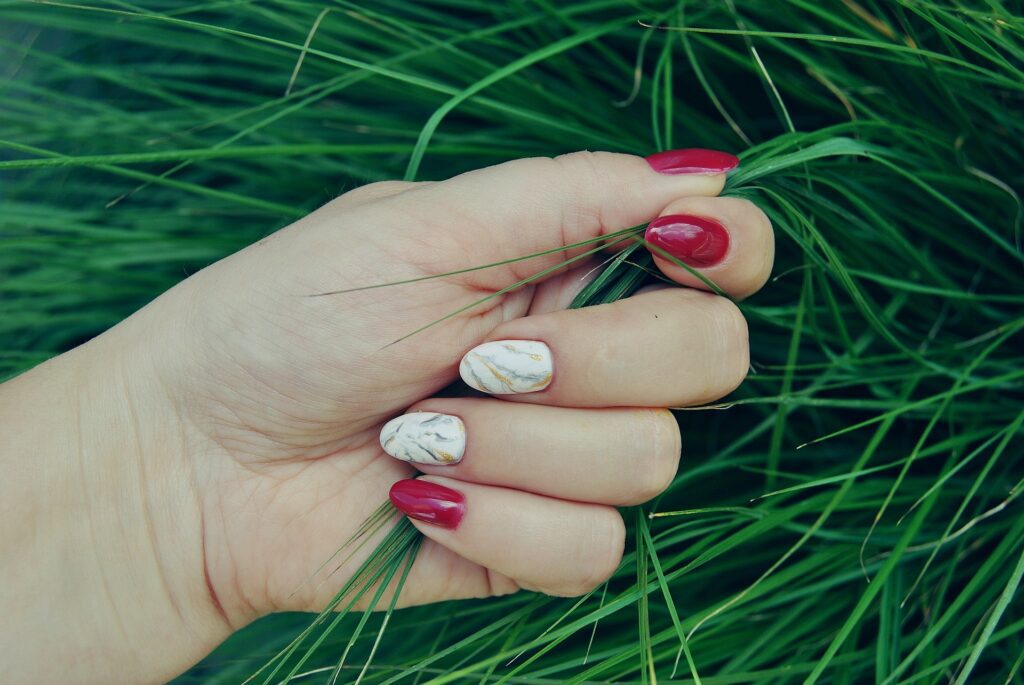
x=693, y=160
x=508, y=367
x=425, y=437
x=430, y=502
x=695, y=240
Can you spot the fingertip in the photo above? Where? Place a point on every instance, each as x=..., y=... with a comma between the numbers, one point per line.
x=728, y=241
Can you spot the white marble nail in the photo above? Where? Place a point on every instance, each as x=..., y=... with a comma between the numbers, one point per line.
x=508, y=367
x=425, y=437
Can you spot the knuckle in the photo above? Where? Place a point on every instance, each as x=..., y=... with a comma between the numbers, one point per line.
x=499, y=584
x=721, y=337
x=586, y=180
x=661, y=461
x=606, y=548
x=583, y=162
x=531, y=170
x=589, y=169
x=731, y=336
x=577, y=174
x=599, y=555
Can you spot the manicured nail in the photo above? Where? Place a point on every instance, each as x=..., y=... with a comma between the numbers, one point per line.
x=695, y=240
x=425, y=437
x=430, y=502
x=508, y=367
x=693, y=160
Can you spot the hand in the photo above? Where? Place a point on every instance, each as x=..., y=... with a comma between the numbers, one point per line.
x=228, y=436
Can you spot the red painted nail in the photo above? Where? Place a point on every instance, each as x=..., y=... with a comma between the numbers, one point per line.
x=693, y=160
x=430, y=502
x=695, y=240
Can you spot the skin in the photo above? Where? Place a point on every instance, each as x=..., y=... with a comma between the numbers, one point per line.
x=183, y=473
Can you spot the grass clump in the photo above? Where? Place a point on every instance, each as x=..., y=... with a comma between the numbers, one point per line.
x=852, y=514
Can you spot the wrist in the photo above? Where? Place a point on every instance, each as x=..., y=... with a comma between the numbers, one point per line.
x=104, y=552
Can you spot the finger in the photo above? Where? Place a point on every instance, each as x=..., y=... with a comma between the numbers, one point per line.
x=660, y=349
x=604, y=456
x=558, y=292
x=527, y=206
x=298, y=565
x=540, y=543
x=728, y=240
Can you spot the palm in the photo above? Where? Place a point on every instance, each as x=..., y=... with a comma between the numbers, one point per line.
x=303, y=385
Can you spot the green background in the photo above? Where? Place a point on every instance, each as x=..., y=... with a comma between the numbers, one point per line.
x=883, y=413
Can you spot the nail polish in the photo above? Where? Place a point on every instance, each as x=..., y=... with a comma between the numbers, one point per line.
x=430, y=502
x=693, y=160
x=694, y=240
x=508, y=367
x=425, y=437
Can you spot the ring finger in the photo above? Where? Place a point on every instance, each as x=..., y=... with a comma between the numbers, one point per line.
x=541, y=543
x=605, y=456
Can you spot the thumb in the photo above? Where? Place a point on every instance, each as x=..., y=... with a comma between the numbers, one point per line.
x=531, y=205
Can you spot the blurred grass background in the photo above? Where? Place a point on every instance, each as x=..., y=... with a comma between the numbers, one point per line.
x=883, y=415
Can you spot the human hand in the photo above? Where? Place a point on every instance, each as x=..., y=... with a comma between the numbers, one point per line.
x=256, y=407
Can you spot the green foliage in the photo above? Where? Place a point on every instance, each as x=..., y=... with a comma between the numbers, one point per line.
x=851, y=514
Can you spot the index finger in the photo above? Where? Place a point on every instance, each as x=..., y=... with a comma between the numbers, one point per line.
x=527, y=206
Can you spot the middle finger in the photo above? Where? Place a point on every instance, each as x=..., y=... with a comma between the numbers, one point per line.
x=666, y=348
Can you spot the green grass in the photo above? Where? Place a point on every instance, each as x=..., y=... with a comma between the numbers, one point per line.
x=852, y=514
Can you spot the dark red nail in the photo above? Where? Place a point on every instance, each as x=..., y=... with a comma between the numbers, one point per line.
x=430, y=502
x=695, y=240
x=693, y=160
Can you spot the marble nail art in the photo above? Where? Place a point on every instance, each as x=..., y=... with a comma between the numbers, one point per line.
x=507, y=367
x=425, y=437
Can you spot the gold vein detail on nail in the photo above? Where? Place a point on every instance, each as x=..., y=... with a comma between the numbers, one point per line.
x=425, y=437
x=508, y=367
